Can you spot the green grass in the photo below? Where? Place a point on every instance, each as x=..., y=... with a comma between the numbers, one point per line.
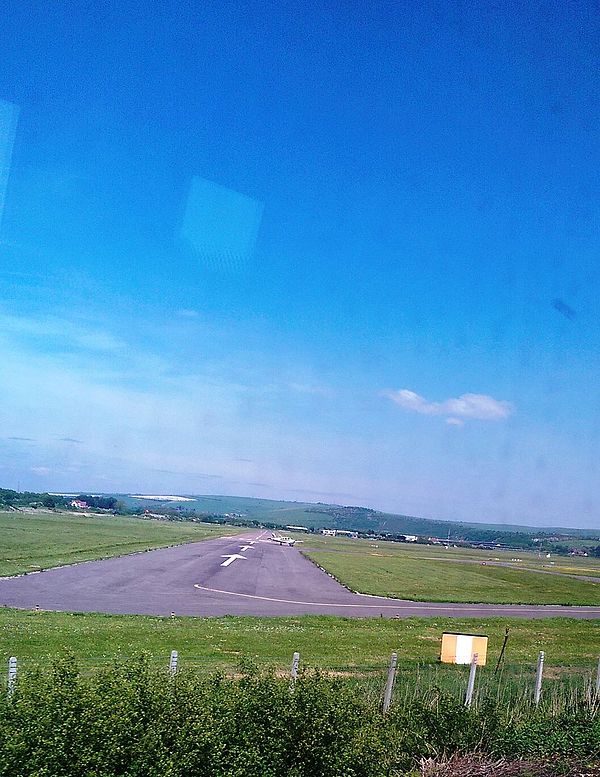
x=409, y=574
x=32, y=541
x=323, y=641
x=575, y=565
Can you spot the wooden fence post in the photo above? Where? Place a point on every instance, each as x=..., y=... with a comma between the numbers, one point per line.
x=389, y=686
x=471, y=682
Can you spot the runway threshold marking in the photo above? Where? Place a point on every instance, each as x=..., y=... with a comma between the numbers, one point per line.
x=412, y=606
x=231, y=558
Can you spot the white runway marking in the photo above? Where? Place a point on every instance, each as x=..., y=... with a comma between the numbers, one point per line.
x=245, y=547
x=231, y=558
x=411, y=606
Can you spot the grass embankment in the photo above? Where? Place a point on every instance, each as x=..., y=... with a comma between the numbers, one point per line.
x=32, y=541
x=322, y=641
x=424, y=573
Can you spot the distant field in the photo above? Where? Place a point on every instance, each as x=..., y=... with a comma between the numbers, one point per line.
x=31, y=541
x=432, y=573
x=322, y=641
x=519, y=559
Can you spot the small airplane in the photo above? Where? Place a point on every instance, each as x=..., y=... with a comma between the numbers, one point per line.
x=281, y=539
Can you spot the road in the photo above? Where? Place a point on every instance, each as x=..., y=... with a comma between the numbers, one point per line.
x=242, y=575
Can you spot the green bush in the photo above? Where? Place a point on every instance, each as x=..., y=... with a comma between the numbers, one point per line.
x=132, y=721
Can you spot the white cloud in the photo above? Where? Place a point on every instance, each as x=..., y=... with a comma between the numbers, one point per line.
x=479, y=407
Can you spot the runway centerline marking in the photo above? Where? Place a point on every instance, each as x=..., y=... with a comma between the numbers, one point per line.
x=411, y=606
x=231, y=558
x=245, y=547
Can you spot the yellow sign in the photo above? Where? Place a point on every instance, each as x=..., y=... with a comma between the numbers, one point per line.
x=459, y=648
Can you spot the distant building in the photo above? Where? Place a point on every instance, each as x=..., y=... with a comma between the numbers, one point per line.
x=345, y=533
x=77, y=503
x=328, y=532
x=410, y=537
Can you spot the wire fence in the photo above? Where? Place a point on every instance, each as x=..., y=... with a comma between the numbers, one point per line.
x=395, y=682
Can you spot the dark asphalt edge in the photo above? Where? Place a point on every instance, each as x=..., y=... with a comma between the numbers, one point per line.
x=332, y=576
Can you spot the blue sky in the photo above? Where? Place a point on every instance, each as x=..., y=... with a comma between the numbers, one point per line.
x=327, y=253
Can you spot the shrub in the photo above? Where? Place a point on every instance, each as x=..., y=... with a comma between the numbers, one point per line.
x=132, y=721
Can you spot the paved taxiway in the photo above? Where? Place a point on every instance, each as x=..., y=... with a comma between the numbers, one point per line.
x=203, y=579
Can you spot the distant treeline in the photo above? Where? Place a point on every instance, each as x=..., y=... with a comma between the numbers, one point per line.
x=10, y=498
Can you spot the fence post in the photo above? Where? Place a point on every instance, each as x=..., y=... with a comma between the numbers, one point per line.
x=501, y=656
x=12, y=675
x=389, y=686
x=294, y=670
x=173, y=662
x=471, y=682
x=538, y=677
x=598, y=679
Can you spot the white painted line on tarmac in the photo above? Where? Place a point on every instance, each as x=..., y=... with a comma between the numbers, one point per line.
x=231, y=558
x=503, y=609
x=246, y=547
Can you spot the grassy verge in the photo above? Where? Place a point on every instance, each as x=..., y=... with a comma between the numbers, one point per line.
x=386, y=573
x=32, y=541
x=323, y=641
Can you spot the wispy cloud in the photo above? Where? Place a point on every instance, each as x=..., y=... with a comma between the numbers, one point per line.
x=315, y=390
x=480, y=407
x=41, y=470
x=60, y=330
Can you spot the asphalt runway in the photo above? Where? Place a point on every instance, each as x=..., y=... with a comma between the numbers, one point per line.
x=242, y=575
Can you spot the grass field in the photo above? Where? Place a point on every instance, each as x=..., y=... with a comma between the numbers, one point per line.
x=519, y=559
x=31, y=541
x=322, y=641
x=433, y=573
